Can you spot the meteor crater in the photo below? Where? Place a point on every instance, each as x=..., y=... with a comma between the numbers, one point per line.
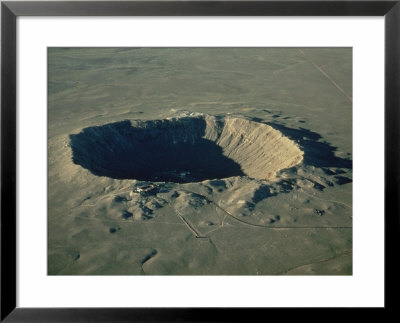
x=184, y=149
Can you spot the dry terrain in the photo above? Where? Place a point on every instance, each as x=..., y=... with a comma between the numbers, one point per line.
x=200, y=161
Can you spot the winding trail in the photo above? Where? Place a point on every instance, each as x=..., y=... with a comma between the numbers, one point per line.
x=199, y=235
x=266, y=226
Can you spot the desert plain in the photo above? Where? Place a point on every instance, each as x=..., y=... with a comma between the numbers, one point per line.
x=200, y=161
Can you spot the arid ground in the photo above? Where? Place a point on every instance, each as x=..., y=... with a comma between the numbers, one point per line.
x=199, y=161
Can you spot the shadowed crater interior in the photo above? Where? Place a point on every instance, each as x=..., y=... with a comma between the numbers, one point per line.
x=185, y=149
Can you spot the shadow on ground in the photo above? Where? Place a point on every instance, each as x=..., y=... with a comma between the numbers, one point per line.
x=161, y=150
x=316, y=153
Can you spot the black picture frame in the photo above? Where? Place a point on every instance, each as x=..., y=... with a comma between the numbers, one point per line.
x=10, y=10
